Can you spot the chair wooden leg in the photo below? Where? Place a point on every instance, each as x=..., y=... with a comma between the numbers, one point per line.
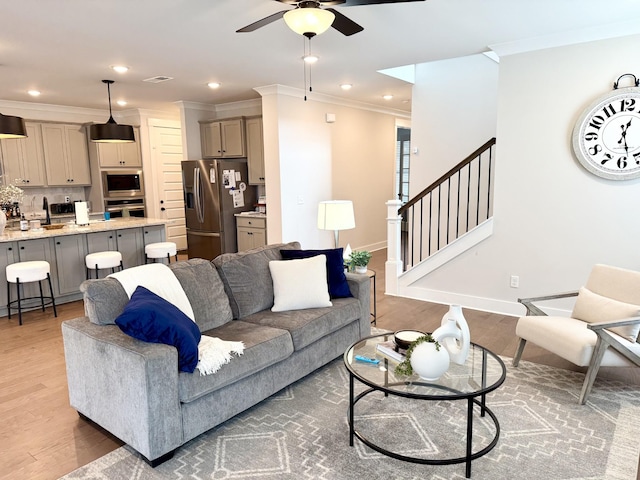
x=516, y=358
x=592, y=371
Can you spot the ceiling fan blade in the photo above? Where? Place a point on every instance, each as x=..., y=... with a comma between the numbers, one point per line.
x=263, y=22
x=343, y=24
x=355, y=3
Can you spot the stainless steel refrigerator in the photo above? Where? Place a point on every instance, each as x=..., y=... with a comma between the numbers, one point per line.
x=214, y=190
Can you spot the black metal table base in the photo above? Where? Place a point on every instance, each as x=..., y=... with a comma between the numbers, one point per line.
x=470, y=455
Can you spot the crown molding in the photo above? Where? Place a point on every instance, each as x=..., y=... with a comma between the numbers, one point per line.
x=572, y=37
x=321, y=97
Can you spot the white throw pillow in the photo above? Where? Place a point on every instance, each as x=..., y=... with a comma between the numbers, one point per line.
x=593, y=308
x=299, y=284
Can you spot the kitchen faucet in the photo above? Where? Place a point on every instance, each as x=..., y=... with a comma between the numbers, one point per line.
x=45, y=206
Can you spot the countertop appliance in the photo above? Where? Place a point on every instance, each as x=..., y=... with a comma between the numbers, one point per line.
x=214, y=191
x=61, y=208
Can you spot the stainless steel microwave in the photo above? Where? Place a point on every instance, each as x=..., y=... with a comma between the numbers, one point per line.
x=122, y=183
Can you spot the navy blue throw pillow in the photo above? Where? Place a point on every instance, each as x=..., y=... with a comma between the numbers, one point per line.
x=337, y=280
x=150, y=318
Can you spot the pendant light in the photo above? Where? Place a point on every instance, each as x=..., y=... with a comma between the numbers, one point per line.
x=12, y=127
x=111, y=132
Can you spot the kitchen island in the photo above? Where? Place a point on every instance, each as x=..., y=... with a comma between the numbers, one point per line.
x=65, y=249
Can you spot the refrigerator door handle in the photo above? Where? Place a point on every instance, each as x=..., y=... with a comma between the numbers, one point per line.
x=197, y=186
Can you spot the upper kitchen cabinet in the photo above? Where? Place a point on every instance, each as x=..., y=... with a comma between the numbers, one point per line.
x=223, y=138
x=119, y=154
x=23, y=159
x=66, y=155
x=255, y=150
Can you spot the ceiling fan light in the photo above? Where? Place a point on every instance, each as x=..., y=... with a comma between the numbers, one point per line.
x=12, y=127
x=305, y=21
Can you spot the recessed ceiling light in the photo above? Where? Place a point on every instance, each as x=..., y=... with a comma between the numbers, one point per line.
x=346, y=86
x=34, y=93
x=122, y=103
x=387, y=97
x=120, y=68
x=310, y=58
x=213, y=85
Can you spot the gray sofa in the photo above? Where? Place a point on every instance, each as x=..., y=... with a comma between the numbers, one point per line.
x=134, y=390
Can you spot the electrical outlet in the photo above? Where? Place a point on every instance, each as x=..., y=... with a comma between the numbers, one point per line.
x=67, y=199
x=515, y=281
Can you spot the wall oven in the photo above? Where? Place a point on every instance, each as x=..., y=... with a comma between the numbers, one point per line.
x=122, y=183
x=132, y=207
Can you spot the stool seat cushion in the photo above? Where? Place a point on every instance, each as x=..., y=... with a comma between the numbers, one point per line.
x=109, y=259
x=160, y=249
x=27, y=271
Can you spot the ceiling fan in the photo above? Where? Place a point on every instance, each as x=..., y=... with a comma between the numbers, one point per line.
x=310, y=19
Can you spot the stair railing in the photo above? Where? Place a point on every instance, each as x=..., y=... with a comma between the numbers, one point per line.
x=455, y=203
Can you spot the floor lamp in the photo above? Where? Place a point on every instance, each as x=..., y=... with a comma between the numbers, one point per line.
x=336, y=215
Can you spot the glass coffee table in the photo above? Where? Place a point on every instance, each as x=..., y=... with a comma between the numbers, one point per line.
x=482, y=373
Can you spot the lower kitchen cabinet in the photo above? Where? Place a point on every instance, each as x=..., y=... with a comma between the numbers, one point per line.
x=70, y=252
x=251, y=232
x=154, y=234
x=33, y=250
x=131, y=246
x=8, y=255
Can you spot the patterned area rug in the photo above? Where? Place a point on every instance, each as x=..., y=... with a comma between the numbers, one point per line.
x=302, y=433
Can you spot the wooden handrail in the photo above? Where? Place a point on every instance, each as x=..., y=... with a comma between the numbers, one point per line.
x=444, y=177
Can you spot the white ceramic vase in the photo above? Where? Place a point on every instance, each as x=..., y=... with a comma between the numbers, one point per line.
x=428, y=362
x=361, y=269
x=454, y=335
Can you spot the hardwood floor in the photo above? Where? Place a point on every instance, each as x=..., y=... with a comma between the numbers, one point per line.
x=43, y=438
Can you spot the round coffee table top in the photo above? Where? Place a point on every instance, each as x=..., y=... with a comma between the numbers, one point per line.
x=482, y=372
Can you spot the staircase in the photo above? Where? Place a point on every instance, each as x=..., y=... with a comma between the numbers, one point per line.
x=448, y=217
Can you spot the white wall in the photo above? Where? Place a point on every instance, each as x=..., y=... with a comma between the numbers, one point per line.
x=454, y=110
x=308, y=160
x=553, y=219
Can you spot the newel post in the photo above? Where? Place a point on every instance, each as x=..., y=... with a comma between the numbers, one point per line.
x=393, y=265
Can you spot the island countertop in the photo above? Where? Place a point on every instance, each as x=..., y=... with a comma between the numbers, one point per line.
x=12, y=234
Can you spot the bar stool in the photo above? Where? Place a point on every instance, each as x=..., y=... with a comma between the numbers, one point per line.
x=25, y=272
x=160, y=250
x=101, y=260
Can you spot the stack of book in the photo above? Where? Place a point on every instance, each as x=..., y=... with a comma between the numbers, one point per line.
x=389, y=350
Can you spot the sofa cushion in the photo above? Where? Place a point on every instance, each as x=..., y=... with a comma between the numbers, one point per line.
x=338, y=287
x=299, y=284
x=104, y=300
x=247, y=279
x=307, y=326
x=150, y=318
x=205, y=291
x=263, y=347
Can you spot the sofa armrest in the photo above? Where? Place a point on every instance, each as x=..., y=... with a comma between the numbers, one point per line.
x=127, y=386
x=360, y=287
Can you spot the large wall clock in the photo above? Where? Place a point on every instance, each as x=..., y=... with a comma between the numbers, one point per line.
x=606, y=137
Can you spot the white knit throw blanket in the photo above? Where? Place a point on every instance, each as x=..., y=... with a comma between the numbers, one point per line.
x=158, y=278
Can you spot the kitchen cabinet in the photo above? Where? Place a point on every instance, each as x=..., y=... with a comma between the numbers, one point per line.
x=252, y=232
x=223, y=139
x=23, y=159
x=119, y=154
x=255, y=150
x=8, y=255
x=154, y=234
x=102, y=242
x=70, y=251
x=66, y=155
x=131, y=245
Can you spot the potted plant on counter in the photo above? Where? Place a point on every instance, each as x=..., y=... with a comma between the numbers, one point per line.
x=360, y=260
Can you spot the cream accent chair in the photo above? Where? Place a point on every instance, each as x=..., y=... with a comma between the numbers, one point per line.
x=606, y=314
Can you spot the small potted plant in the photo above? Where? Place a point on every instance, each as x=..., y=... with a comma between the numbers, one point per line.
x=426, y=357
x=360, y=260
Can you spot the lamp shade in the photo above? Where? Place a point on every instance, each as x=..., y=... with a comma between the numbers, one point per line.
x=309, y=21
x=111, y=132
x=12, y=127
x=336, y=215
